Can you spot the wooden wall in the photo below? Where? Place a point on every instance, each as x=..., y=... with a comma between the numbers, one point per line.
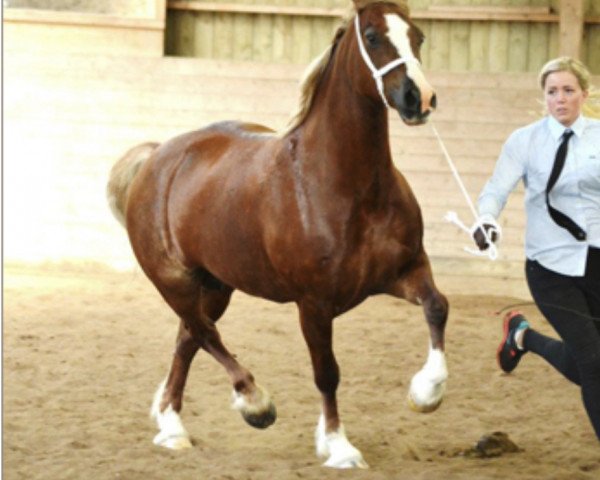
x=69, y=116
x=462, y=35
x=69, y=113
x=115, y=27
x=121, y=8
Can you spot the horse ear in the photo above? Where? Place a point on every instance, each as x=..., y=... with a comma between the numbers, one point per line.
x=338, y=34
x=360, y=4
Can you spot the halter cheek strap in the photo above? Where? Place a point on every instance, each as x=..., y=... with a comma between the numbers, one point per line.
x=378, y=73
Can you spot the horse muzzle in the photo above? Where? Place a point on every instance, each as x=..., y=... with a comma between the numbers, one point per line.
x=413, y=105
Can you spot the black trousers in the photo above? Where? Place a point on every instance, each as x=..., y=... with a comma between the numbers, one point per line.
x=572, y=306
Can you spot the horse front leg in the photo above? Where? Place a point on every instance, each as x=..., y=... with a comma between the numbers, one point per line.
x=330, y=436
x=428, y=385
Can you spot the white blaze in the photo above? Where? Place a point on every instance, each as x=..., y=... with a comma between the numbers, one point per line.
x=398, y=35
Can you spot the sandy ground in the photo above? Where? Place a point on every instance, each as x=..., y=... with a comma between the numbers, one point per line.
x=85, y=348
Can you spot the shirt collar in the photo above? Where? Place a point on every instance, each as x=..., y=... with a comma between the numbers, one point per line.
x=557, y=128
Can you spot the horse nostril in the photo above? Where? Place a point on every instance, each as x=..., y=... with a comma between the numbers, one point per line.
x=433, y=101
x=411, y=99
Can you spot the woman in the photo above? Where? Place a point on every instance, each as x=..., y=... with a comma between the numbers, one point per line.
x=558, y=159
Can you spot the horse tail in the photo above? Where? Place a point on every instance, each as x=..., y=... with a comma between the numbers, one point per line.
x=121, y=176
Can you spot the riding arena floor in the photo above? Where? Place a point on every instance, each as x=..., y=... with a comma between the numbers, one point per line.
x=85, y=347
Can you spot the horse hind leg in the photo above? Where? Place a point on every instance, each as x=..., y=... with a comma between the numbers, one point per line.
x=428, y=385
x=197, y=330
x=167, y=403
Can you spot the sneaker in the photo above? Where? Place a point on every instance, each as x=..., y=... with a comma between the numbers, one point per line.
x=508, y=354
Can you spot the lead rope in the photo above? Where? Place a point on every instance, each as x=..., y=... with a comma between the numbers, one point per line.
x=492, y=251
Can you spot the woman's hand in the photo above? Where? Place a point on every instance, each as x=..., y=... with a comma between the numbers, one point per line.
x=480, y=238
x=487, y=223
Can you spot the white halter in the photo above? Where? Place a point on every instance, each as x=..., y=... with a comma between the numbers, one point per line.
x=378, y=73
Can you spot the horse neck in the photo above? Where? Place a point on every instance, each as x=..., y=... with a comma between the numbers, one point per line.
x=351, y=128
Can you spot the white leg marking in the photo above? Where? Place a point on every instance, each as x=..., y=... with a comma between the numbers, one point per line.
x=428, y=385
x=335, y=445
x=398, y=35
x=172, y=434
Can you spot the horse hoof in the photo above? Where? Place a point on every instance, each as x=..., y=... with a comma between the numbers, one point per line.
x=261, y=420
x=423, y=407
x=335, y=445
x=427, y=386
x=256, y=408
x=172, y=442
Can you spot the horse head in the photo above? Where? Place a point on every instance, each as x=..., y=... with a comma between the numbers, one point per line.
x=389, y=45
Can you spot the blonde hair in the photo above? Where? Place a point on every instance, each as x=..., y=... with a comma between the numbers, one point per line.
x=591, y=108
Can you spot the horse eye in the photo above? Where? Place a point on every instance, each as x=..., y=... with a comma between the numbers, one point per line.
x=371, y=36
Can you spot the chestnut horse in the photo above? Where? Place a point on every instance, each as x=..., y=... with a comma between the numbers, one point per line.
x=318, y=216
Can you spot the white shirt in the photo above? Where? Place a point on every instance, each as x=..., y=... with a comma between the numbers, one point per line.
x=528, y=154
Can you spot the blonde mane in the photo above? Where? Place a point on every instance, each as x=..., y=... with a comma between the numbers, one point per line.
x=308, y=86
x=314, y=72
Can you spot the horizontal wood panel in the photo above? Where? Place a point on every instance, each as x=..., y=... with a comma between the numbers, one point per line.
x=473, y=36
x=68, y=117
x=432, y=12
x=42, y=33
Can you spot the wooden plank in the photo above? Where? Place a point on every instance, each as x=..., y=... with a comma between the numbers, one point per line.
x=223, y=36
x=282, y=36
x=186, y=27
x=263, y=38
x=171, y=32
x=242, y=37
x=538, y=46
x=459, y=46
x=479, y=47
x=440, y=46
x=571, y=27
x=45, y=38
x=323, y=30
x=518, y=36
x=277, y=9
x=488, y=13
x=160, y=10
x=204, y=34
x=301, y=46
x=499, y=9
x=499, y=47
x=592, y=47
x=554, y=42
x=145, y=67
x=434, y=12
x=593, y=9
x=53, y=17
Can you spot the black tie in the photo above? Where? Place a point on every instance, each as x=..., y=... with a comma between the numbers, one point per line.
x=559, y=217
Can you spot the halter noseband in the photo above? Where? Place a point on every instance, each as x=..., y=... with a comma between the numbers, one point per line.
x=378, y=73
